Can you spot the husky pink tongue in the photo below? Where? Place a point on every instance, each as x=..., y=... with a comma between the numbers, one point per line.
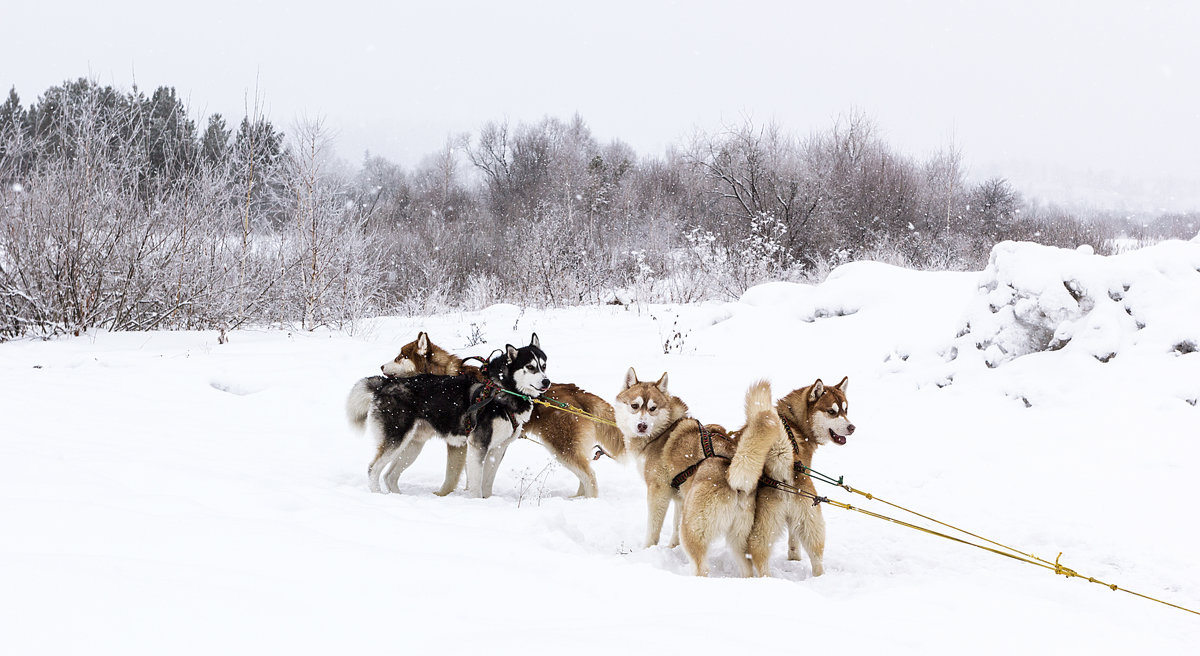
x=839, y=439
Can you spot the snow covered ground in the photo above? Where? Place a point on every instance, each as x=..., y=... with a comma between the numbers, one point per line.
x=161, y=493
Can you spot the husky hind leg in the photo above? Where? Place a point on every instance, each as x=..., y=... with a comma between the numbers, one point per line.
x=704, y=513
x=808, y=532
x=574, y=454
x=575, y=460
x=771, y=518
x=695, y=543
x=587, y=478
x=404, y=455
x=697, y=527
x=382, y=457
x=738, y=534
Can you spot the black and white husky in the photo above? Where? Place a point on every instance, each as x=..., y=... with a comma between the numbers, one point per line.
x=474, y=414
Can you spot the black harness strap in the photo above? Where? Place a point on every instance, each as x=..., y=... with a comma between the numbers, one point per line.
x=797, y=466
x=482, y=361
x=767, y=481
x=682, y=476
x=791, y=436
x=705, y=444
x=485, y=395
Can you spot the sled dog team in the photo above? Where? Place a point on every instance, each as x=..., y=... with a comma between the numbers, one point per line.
x=720, y=481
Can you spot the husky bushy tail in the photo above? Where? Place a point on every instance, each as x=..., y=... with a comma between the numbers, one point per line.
x=358, y=403
x=762, y=437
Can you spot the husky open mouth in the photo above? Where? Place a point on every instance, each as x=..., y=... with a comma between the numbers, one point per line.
x=838, y=439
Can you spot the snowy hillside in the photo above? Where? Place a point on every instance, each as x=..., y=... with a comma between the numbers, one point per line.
x=161, y=493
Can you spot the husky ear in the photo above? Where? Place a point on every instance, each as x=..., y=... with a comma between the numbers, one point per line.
x=511, y=352
x=533, y=341
x=843, y=385
x=630, y=379
x=817, y=390
x=662, y=383
x=422, y=344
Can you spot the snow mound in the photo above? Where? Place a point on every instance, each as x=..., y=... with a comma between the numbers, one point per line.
x=848, y=289
x=1035, y=298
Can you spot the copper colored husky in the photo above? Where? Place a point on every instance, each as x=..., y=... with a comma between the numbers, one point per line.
x=812, y=416
x=569, y=438
x=711, y=478
x=421, y=356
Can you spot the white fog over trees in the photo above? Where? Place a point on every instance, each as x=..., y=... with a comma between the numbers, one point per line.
x=123, y=211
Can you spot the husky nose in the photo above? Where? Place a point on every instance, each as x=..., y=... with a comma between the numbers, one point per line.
x=545, y=383
x=642, y=426
x=850, y=429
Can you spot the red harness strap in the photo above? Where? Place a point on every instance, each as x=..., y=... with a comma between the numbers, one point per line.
x=705, y=444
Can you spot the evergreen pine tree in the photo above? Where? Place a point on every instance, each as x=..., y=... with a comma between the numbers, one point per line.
x=214, y=145
x=171, y=135
x=256, y=158
x=12, y=125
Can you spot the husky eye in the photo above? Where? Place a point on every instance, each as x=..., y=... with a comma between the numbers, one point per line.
x=531, y=367
x=832, y=413
x=635, y=406
x=651, y=407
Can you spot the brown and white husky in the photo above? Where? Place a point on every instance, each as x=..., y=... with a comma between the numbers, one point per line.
x=710, y=478
x=811, y=416
x=422, y=356
x=568, y=437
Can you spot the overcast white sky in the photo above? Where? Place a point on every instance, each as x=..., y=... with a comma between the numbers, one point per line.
x=1074, y=101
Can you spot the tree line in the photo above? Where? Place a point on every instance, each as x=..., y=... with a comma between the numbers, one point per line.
x=117, y=211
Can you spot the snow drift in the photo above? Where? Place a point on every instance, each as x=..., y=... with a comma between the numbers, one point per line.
x=163, y=493
x=1035, y=298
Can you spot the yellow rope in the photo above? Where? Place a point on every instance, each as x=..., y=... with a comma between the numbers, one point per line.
x=870, y=496
x=573, y=410
x=1016, y=554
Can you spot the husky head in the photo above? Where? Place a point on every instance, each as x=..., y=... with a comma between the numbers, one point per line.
x=645, y=409
x=524, y=368
x=421, y=356
x=821, y=411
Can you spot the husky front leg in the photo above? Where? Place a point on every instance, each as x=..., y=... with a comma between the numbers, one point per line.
x=657, y=500
x=456, y=458
x=491, y=464
x=676, y=521
x=478, y=443
x=475, y=457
